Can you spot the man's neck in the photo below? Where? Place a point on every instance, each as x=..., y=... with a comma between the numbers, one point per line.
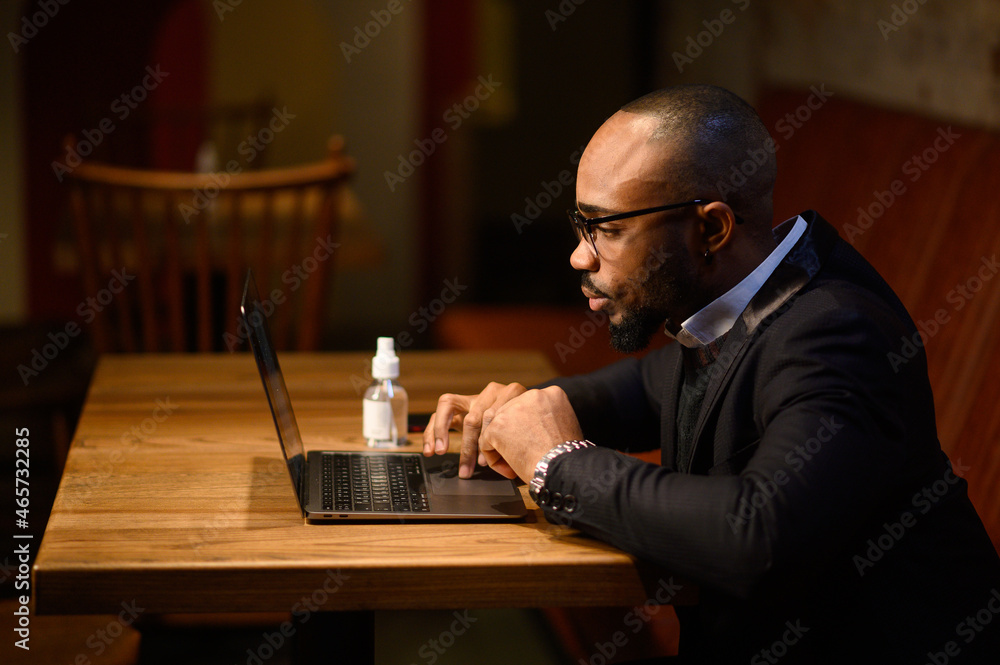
x=735, y=264
x=745, y=273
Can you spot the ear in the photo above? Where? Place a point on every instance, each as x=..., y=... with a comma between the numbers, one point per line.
x=717, y=225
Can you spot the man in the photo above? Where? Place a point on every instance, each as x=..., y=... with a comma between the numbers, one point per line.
x=802, y=484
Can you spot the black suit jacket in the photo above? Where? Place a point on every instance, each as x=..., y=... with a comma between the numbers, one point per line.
x=819, y=517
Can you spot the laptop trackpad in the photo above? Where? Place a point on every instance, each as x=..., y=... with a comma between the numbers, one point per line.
x=442, y=471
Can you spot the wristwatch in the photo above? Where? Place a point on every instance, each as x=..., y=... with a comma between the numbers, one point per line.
x=542, y=468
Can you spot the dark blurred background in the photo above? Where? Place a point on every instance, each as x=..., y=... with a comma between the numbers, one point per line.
x=466, y=120
x=556, y=69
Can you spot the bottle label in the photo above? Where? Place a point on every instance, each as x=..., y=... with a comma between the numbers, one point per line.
x=377, y=420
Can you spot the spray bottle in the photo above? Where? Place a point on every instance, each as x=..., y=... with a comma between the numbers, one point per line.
x=385, y=402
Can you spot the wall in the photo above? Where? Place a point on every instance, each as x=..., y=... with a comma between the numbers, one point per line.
x=926, y=56
x=12, y=275
x=283, y=51
x=378, y=113
x=292, y=50
x=942, y=60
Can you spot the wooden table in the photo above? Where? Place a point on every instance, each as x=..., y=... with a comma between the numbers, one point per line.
x=175, y=494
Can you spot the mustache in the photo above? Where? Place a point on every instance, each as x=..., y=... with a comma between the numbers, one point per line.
x=587, y=283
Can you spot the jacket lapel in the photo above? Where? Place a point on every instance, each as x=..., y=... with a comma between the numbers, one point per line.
x=668, y=415
x=796, y=270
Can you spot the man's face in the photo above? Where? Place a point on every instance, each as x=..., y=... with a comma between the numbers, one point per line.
x=645, y=275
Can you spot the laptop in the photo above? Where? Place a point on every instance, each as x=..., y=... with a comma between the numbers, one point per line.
x=334, y=486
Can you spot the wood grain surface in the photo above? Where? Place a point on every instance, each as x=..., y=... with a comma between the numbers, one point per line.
x=175, y=496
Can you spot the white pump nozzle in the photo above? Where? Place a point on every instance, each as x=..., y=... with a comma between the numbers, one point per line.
x=385, y=364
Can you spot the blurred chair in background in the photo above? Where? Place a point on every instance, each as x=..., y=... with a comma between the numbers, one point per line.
x=186, y=240
x=185, y=137
x=164, y=255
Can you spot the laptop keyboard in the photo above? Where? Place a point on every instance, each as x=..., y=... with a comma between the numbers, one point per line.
x=373, y=483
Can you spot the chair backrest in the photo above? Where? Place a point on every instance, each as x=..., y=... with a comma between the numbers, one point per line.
x=163, y=254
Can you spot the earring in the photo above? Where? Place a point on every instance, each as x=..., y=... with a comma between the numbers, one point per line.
x=708, y=257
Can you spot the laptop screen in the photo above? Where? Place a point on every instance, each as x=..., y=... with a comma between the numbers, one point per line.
x=274, y=385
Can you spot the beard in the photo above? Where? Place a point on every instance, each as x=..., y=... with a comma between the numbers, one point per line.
x=634, y=331
x=659, y=289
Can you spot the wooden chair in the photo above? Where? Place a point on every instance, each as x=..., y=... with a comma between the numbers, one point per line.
x=163, y=254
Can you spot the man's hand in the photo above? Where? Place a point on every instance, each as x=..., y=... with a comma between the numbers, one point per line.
x=469, y=414
x=524, y=429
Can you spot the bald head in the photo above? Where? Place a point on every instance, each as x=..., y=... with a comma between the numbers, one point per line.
x=708, y=131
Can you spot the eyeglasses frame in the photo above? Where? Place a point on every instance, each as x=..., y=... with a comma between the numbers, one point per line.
x=585, y=224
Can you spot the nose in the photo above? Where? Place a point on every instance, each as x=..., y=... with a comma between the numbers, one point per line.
x=583, y=257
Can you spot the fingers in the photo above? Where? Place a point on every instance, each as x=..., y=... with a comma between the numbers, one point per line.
x=498, y=464
x=522, y=430
x=481, y=413
x=469, y=451
x=470, y=414
x=450, y=410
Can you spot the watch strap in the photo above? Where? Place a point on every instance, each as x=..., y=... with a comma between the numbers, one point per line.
x=542, y=468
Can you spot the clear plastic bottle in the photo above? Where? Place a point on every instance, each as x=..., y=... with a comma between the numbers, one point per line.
x=385, y=403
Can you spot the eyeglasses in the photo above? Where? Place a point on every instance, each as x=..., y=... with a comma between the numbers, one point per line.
x=583, y=226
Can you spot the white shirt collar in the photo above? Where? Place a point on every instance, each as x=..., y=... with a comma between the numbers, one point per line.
x=716, y=318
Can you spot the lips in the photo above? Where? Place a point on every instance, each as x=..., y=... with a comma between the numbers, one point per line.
x=596, y=302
